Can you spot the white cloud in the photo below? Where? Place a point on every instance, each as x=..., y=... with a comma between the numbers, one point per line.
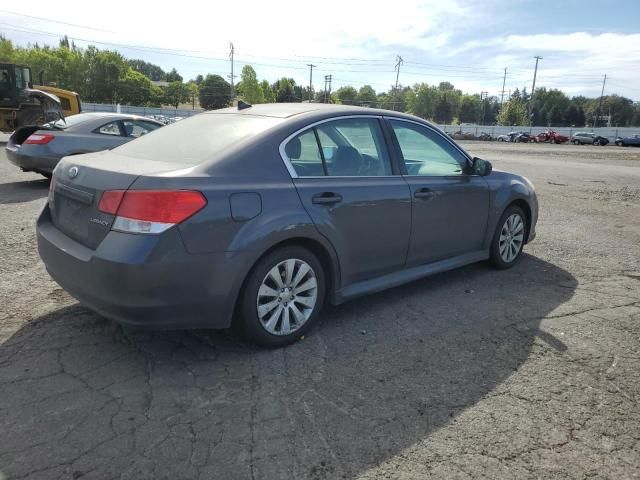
x=283, y=36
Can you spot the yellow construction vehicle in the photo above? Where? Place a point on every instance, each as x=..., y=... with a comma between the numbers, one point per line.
x=22, y=103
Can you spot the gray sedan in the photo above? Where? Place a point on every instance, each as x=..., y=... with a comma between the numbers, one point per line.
x=38, y=149
x=255, y=217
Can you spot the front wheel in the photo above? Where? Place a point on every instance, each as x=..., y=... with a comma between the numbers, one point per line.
x=282, y=297
x=576, y=142
x=508, y=238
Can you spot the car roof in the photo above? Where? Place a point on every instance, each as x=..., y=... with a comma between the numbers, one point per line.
x=111, y=115
x=287, y=110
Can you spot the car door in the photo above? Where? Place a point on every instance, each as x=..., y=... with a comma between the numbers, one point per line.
x=357, y=200
x=450, y=206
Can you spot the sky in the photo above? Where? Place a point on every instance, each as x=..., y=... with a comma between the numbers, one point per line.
x=467, y=43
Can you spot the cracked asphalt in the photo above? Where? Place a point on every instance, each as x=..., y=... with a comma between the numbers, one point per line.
x=528, y=373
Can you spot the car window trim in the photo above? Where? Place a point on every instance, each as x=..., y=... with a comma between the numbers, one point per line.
x=437, y=132
x=291, y=169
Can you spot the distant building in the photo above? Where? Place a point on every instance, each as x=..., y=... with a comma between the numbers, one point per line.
x=159, y=83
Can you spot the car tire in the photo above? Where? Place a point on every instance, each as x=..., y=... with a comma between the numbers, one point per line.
x=501, y=139
x=596, y=143
x=619, y=144
x=576, y=142
x=271, y=307
x=509, y=238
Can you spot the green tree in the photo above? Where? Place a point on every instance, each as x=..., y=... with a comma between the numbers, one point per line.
x=267, y=91
x=215, y=92
x=153, y=72
x=442, y=112
x=367, y=96
x=173, y=76
x=423, y=100
x=469, y=109
x=250, y=90
x=176, y=93
x=283, y=89
x=346, y=95
x=513, y=112
x=134, y=88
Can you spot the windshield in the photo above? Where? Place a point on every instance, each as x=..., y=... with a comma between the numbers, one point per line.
x=70, y=121
x=194, y=140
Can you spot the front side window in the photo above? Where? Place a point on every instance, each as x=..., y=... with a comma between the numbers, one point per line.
x=426, y=153
x=340, y=148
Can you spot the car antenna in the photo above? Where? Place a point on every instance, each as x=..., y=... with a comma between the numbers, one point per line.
x=242, y=105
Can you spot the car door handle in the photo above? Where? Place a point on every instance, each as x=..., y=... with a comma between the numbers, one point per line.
x=424, y=193
x=326, y=198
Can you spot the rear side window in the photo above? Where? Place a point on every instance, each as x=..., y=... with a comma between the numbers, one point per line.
x=352, y=147
x=138, y=128
x=194, y=140
x=110, y=128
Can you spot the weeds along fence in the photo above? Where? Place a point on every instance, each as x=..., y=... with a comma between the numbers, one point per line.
x=493, y=130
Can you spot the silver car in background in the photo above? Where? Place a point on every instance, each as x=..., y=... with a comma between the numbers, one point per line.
x=39, y=149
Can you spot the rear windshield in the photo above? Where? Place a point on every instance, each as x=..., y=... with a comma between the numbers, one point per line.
x=194, y=140
x=70, y=121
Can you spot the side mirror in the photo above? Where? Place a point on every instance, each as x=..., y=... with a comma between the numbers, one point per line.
x=481, y=167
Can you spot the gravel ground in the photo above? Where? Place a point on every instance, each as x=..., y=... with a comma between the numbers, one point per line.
x=528, y=373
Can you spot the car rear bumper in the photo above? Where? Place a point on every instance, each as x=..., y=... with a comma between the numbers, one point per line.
x=144, y=280
x=30, y=163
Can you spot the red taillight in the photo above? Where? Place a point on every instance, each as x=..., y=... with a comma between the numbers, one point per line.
x=38, y=139
x=110, y=201
x=160, y=206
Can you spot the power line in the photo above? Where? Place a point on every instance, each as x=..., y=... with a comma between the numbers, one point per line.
x=86, y=27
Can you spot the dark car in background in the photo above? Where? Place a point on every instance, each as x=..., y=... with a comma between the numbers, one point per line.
x=38, y=149
x=631, y=140
x=258, y=216
x=584, y=138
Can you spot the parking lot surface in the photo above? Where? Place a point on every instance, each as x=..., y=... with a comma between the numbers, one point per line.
x=532, y=372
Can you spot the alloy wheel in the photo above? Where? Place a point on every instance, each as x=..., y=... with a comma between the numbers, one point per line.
x=511, y=238
x=287, y=296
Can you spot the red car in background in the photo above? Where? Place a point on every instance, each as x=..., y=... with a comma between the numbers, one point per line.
x=550, y=136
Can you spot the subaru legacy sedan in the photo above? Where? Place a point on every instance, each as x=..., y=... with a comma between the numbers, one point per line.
x=254, y=217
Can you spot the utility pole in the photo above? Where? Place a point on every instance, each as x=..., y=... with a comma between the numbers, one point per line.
x=327, y=91
x=599, y=114
x=483, y=97
x=504, y=80
x=533, y=87
x=399, y=62
x=232, y=75
x=310, y=65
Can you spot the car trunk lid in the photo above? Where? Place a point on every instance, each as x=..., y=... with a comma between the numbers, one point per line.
x=78, y=185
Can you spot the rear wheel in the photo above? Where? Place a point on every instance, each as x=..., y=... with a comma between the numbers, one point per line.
x=508, y=238
x=596, y=142
x=282, y=297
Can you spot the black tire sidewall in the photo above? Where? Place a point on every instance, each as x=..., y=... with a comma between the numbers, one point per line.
x=494, y=253
x=247, y=320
